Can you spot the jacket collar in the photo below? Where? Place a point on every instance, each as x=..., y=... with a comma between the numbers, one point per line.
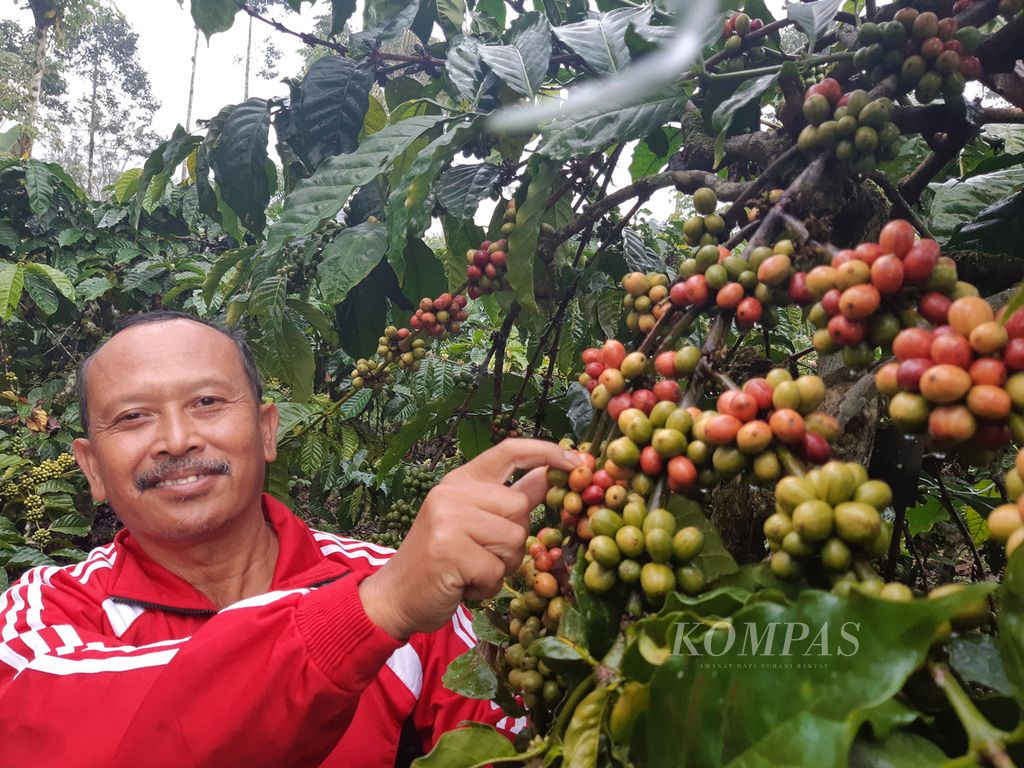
x=137, y=578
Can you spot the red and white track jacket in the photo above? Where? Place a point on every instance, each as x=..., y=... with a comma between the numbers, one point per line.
x=115, y=662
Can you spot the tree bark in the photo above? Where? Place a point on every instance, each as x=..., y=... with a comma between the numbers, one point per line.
x=93, y=126
x=41, y=39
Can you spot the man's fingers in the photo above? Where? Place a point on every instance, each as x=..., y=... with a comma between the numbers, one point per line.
x=533, y=485
x=497, y=463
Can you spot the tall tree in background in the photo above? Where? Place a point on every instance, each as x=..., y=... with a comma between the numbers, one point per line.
x=112, y=118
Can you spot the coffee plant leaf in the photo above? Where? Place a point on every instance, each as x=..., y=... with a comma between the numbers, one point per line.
x=127, y=185
x=461, y=188
x=349, y=259
x=12, y=281
x=42, y=293
x=814, y=17
x=322, y=195
x=465, y=68
x=976, y=659
x=213, y=16
x=714, y=559
x=71, y=524
x=899, y=750
x=522, y=242
x=424, y=274
x=333, y=106
x=601, y=42
x=647, y=160
x=857, y=652
x=1011, y=623
x=593, y=131
x=470, y=675
x=341, y=12
x=39, y=186
x=451, y=15
x=474, y=434
x=584, y=732
x=239, y=161
x=224, y=263
x=522, y=65
x=749, y=92
x=474, y=745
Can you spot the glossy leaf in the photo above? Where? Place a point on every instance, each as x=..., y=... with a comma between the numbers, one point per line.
x=341, y=12
x=451, y=14
x=127, y=185
x=749, y=92
x=523, y=64
x=239, y=159
x=799, y=703
x=714, y=559
x=583, y=735
x=71, y=525
x=465, y=67
x=601, y=42
x=56, y=277
x=522, y=242
x=461, y=188
x=213, y=16
x=474, y=433
x=900, y=750
x=332, y=107
x=814, y=17
x=975, y=658
x=349, y=258
x=39, y=186
x=959, y=200
x=594, y=131
x=424, y=274
x=12, y=280
x=320, y=197
x=1011, y=623
x=459, y=237
x=473, y=745
x=647, y=160
x=221, y=267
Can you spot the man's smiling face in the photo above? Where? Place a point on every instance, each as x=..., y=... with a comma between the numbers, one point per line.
x=177, y=441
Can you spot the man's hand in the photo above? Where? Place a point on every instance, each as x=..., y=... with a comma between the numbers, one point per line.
x=468, y=536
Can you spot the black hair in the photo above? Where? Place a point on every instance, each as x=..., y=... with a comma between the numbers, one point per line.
x=163, y=316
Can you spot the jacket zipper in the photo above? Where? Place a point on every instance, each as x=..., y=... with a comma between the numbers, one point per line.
x=146, y=605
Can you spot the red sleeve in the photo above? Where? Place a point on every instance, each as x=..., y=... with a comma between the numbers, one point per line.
x=272, y=680
x=438, y=709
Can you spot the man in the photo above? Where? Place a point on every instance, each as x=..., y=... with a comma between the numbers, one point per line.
x=217, y=629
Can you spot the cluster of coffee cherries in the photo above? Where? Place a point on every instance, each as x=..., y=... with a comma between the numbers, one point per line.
x=505, y=425
x=440, y=317
x=465, y=378
x=856, y=128
x=863, y=298
x=1006, y=522
x=609, y=371
x=1007, y=8
x=487, y=268
x=962, y=381
x=830, y=516
x=532, y=614
x=706, y=227
x=417, y=482
x=761, y=427
x=737, y=48
x=931, y=55
x=645, y=299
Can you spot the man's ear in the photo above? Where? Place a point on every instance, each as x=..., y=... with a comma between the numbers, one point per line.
x=269, y=419
x=87, y=460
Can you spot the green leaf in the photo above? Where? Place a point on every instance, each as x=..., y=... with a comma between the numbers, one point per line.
x=647, y=160
x=239, y=159
x=522, y=242
x=293, y=415
x=127, y=185
x=332, y=107
x=12, y=280
x=313, y=454
x=296, y=359
x=601, y=42
x=584, y=732
x=957, y=201
x=39, y=185
x=26, y=557
x=523, y=64
x=59, y=279
x=161, y=163
x=213, y=16
x=465, y=747
x=316, y=317
x=424, y=274
x=795, y=703
x=899, y=750
x=1016, y=302
x=474, y=435
x=10, y=239
x=471, y=676
x=749, y=91
x=93, y=287
x=349, y=258
x=1010, y=639
x=465, y=68
x=268, y=297
x=220, y=267
x=975, y=658
x=553, y=647
x=376, y=117
x=42, y=293
x=72, y=525
x=408, y=209
x=814, y=17
x=322, y=195
x=461, y=188
x=356, y=404
x=341, y=12
x=451, y=14
x=593, y=131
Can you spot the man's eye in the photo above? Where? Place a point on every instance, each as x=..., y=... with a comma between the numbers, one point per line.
x=131, y=417
x=207, y=401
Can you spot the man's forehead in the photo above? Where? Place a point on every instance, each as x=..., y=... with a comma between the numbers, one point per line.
x=144, y=346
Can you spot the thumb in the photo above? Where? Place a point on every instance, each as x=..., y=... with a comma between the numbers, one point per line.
x=533, y=485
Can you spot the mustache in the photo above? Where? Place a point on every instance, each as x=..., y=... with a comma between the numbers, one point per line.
x=151, y=477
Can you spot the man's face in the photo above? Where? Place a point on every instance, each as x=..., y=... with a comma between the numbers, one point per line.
x=177, y=443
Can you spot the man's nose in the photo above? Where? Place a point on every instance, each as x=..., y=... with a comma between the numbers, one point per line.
x=179, y=435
